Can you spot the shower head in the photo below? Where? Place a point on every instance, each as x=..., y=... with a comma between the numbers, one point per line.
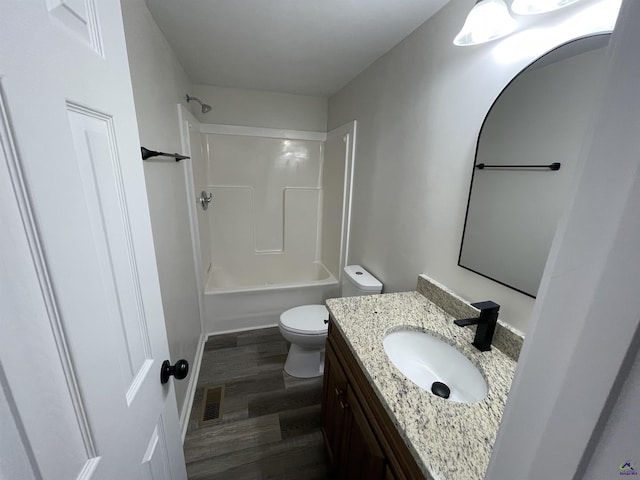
x=205, y=108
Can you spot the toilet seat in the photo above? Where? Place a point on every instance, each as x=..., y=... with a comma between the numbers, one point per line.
x=306, y=320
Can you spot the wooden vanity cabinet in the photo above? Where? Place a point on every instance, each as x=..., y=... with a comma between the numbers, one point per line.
x=334, y=405
x=352, y=447
x=361, y=440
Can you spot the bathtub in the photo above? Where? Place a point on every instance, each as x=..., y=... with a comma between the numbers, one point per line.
x=245, y=298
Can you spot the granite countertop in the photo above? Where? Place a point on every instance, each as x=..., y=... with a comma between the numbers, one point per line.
x=449, y=440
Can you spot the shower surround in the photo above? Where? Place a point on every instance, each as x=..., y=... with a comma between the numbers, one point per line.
x=267, y=234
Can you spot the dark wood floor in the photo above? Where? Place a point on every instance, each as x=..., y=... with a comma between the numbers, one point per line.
x=270, y=422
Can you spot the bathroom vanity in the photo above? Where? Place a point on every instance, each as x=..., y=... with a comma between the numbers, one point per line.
x=360, y=438
x=378, y=424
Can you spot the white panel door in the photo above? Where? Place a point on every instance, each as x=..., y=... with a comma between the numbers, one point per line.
x=82, y=328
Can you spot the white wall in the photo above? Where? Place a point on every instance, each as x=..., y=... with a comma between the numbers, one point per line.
x=158, y=84
x=586, y=320
x=419, y=109
x=253, y=108
x=619, y=441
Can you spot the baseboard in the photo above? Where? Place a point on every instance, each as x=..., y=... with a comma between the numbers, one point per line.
x=191, y=389
x=248, y=322
x=242, y=329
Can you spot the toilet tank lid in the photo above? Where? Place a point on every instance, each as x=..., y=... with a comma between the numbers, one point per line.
x=362, y=279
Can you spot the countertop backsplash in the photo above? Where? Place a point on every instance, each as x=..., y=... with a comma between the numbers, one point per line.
x=506, y=338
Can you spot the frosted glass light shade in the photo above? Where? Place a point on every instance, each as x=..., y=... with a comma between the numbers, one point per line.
x=487, y=20
x=533, y=7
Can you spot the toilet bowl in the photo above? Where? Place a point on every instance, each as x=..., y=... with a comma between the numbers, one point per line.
x=305, y=327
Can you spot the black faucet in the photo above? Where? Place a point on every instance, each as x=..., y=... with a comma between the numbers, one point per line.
x=486, y=324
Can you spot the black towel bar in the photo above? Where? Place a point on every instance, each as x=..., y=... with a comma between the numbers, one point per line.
x=146, y=154
x=553, y=166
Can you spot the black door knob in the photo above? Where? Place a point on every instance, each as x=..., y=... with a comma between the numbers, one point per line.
x=179, y=370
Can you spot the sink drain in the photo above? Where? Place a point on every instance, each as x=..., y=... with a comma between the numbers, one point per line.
x=440, y=389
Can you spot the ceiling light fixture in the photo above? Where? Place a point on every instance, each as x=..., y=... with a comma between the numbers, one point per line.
x=487, y=20
x=533, y=7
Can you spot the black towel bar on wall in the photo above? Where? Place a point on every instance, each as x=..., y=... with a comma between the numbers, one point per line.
x=146, y=154
x=553, y=166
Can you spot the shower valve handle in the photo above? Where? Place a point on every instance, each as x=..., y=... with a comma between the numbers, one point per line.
x=205, y=200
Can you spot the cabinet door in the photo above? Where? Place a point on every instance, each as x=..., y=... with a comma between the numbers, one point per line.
x=361, y=456
x=333, y=404
x=389, y=474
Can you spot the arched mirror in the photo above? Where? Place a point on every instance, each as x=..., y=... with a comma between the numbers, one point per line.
x=525, y=163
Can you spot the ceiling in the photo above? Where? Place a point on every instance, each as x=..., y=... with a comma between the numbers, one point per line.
x=308, y=47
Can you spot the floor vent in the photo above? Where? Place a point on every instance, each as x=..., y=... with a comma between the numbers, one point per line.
x=212, y=405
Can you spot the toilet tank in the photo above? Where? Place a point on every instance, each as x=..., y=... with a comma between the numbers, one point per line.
x=357, y=281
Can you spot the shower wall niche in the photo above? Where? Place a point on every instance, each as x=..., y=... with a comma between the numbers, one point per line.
x=267, y=214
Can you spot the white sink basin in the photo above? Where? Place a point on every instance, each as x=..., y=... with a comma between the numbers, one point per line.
x=425, y=359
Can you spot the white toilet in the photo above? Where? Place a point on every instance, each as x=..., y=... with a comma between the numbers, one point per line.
x=305, y=327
